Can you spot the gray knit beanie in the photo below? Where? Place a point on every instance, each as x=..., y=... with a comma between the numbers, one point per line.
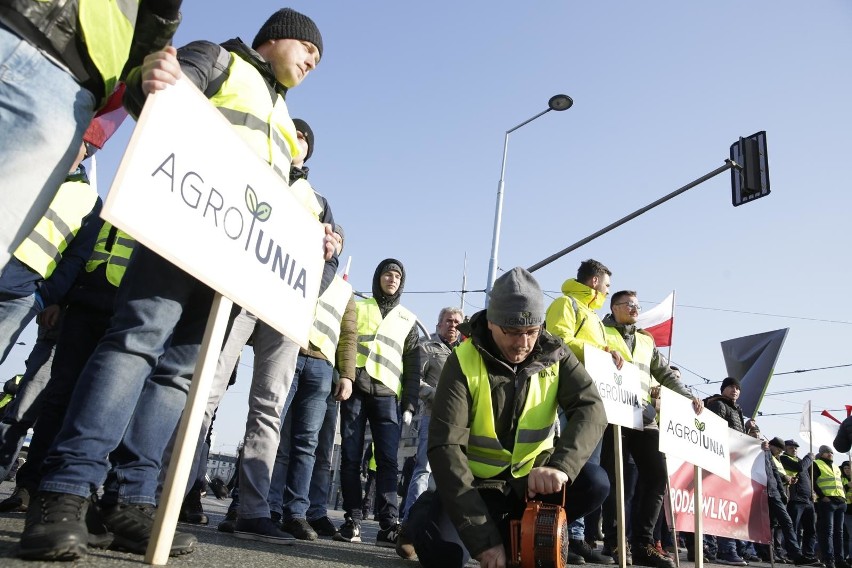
x=287, y=23
x=516, y=300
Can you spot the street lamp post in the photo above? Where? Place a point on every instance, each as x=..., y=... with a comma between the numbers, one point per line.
x=556, y=102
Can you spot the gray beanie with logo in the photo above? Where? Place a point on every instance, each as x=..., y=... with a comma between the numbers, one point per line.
x=516, y=300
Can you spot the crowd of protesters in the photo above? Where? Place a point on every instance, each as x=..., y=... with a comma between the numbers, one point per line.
x=507, y=414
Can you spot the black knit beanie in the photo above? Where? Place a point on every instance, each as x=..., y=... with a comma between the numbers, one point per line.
x=287, y=23
x=304, y=128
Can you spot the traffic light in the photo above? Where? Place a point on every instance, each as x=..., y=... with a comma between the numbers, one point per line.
x=751, y=180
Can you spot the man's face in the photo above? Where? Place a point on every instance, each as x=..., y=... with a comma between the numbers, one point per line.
x=775, y=450
x=291, y=59
x=847, y=470
x=601, y=284
x=731, y=392
x=389, y=281
x=826, y=455
x=790, y=450
x=626, y=310
x=448, y=327
x=515, y=343
x=302, y=142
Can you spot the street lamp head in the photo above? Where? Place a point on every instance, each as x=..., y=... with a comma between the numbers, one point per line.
x=560, y=102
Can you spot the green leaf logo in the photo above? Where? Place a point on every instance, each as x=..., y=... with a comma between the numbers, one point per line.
x=259, y=210
x=699, y=425
x=617, y=378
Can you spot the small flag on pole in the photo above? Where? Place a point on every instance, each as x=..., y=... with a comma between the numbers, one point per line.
x=658, y=321
x=805, y=423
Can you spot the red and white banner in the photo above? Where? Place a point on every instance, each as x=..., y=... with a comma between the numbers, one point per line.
x=658, y=321
x=737, y=508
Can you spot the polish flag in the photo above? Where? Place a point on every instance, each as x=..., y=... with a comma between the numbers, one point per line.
x=658, y=321
x=107, y=120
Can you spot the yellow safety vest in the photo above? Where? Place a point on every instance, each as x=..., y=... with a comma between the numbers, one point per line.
x=829, y=480
x=114, y=248
x=778, y=465
x=791, y=472
x=643, y=351
x=307, y=197
x=381, y=342
x=106, y=27
x=7, y=398
x=325, y=332
x=43, y=249
x=847, y=487
x=486, y=456
x=371, y=465
x=264, y=124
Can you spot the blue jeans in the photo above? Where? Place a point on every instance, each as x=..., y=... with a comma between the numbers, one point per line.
x=132, y=390
x=803, y=515
x=82, y=329
x=422, y=471
x=274, y=362
x=15, y=315
x=44, y=112
x=383, y=414
x=23, y=411
x=304, y=412
x=321, y=479
x=830, y=517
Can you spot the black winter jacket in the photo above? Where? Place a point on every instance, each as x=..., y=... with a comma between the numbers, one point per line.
x=52, y=27
x=728, y=410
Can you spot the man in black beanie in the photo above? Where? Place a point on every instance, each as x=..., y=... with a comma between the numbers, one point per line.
x=490, y=437
x=133, y=389
x=387, y=383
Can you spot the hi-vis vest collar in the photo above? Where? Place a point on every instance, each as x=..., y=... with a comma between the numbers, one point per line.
x=263, y=123
x=42, y=250
x=486, y=456
x=114, y=247
x=643, y=351
x=382, y=341
x=325, y=333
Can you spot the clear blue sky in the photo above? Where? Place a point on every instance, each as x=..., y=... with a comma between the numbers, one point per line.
x=411, y=101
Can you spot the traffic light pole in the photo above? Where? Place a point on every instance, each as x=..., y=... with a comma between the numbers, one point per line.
x=728, y=165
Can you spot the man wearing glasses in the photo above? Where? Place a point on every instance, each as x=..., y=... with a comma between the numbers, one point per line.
x=637, y=347
x=491, y=438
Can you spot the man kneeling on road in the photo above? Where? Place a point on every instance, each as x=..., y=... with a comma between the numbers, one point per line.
x=490, y=442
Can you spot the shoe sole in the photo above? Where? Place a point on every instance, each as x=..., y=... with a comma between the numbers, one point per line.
x=340, y=538
x=135, y=547
x=283, y=541
x=71, y=552
x=101, y=541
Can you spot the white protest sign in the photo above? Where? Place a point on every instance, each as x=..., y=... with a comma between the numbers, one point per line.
x=619, y=388
x=192, y=191
x=700, y=439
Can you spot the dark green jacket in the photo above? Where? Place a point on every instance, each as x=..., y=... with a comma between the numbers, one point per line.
x=452, y=415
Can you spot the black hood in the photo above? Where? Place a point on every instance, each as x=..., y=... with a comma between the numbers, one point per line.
x=387, y=303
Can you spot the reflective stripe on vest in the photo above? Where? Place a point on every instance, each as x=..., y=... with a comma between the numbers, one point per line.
x=106, y=27
x=643, y=351
x=486, y=456
x=42, y=250
x=244, y=100
x=381, y=342
x=114, y=247
x=829, y=480
x=325, y=333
